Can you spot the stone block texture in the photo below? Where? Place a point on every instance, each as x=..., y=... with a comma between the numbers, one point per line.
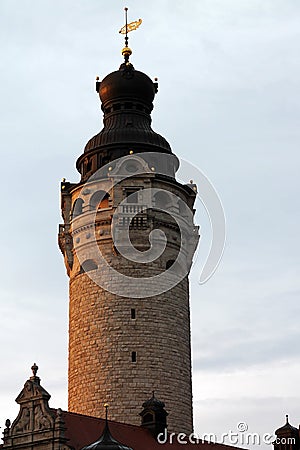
x=122, y=348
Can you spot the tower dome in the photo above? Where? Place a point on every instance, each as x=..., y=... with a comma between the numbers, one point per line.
x=126, y=97
x=287, y=428
x=127, y=84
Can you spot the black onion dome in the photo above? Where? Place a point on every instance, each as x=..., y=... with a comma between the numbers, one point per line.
x=153, y=402
x=287, y=428
x=129, y=85
x=127, y=101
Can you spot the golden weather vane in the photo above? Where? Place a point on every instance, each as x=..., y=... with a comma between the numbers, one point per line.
x=126, y=52
x=130, y=26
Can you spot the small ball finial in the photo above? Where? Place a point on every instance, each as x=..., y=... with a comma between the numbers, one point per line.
x=130, y=152
x=34, y=369
x=126, y=52
x=287, y=418
x=97, y=78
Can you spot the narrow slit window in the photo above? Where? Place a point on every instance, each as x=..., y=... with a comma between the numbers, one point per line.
x=133, y=356
x=133, y=315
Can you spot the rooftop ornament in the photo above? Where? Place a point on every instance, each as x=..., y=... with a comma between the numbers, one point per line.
x=34, y=377
x=106, y=441
x=126, y=51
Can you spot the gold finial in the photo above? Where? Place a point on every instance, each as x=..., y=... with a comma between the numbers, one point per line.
x=130, y=152
x=126, y=51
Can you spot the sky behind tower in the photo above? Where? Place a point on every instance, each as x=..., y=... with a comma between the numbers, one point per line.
x=228, y=103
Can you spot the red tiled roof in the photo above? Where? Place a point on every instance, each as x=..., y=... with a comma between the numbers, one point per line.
x=83, y=430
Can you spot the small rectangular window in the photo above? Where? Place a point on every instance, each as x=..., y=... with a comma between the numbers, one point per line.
x=133, y=313
x=133, y=356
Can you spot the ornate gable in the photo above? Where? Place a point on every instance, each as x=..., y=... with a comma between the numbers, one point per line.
x=36, y=424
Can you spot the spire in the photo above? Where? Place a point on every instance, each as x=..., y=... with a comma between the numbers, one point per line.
x=106, y=438
x=286, y=428
x=126, y=51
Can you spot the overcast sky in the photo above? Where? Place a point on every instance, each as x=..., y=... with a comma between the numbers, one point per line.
x=228, y=102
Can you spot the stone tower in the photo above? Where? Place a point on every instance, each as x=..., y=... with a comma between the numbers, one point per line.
x=128, y=239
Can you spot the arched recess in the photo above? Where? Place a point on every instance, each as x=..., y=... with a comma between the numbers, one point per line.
x=182, y=207
x=77, y=207
x=170, y=263
x=162, y=199
x=88, y=265
x=99, y=200
x=148, y=418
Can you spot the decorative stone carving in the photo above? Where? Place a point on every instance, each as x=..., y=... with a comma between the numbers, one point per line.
x=36, y=426
x=24, y=422
x=6, y=431
x=41, y=422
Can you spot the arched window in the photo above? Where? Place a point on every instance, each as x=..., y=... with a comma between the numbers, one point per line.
x=88, y=265
x=77, y=207
x=99, y=200
x=161, y=199
x=89, y=165
x=182, y=207
x=148, y=418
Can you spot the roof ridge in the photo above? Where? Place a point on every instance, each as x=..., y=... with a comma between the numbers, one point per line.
x=100, y=419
